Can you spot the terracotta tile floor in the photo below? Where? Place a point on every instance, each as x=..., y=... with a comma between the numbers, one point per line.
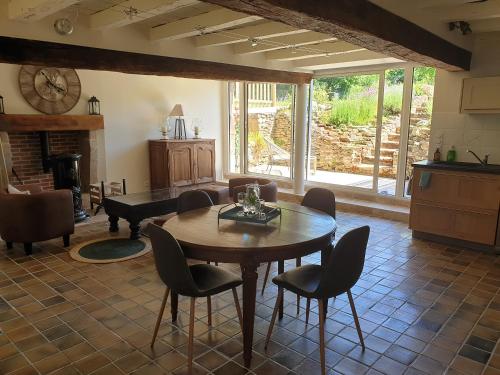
x=424, y=309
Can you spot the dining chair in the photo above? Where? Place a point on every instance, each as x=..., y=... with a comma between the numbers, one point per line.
x=338, y=276
x=319, y=199
x=192, y=200
x=199, y=280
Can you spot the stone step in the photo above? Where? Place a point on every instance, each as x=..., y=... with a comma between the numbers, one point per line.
x=394, y=137
x=387, y=152
x=384, y=160
x=365, y=168
x=391, y=145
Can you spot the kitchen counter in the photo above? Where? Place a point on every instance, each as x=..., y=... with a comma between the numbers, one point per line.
x=457, y=204
x=459, y=166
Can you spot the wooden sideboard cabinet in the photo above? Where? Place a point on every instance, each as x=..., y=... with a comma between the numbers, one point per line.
x=459, y=205
x=181, y=162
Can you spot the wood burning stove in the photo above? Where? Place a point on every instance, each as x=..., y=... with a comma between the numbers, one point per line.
x=66, y=174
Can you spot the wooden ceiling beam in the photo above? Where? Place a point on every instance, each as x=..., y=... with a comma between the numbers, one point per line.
x=362, y=23
x=261, y=31
x=315, y=50
x=271, y=44
x=485, y=26
x=468, y=11
x=33, y=52
x=341, y=58
x=218, y=19
x=422, y=4
x=34, y=10
x=116, y=16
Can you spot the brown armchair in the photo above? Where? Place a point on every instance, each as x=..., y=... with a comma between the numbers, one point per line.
x=36, y=217
x=268, y=188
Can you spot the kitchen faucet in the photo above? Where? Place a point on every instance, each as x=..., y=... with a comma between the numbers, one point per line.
x=483, y=161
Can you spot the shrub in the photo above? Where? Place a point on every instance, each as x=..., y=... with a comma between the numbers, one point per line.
x=356, y=110
x=393, y=100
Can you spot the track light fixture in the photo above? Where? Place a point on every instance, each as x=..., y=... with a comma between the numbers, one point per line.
x=254, y=42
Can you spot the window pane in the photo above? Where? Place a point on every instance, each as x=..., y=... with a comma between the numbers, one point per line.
x=391, y=130
x=420, y=118
x=234, y=128
x=343, y=130
x=270, y=128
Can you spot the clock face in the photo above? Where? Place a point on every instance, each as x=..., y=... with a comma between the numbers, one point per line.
x=50, y=90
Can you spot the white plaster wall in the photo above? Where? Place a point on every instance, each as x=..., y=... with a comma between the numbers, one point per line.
x=133, y=106
x=478, y=132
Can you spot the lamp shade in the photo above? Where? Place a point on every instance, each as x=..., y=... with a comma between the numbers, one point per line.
x=177, y=111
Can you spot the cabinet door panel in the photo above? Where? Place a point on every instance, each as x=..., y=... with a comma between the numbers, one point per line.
x=205, y=163
x=431, y=219
x=466, y=190
x=476, y=227
x=481, y=94
x=442, y=188
x=181, y=165
x=158, y=164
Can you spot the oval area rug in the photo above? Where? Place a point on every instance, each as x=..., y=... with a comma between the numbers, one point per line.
x=109, y=250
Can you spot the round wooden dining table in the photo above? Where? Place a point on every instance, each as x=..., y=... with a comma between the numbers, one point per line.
x=300, y=231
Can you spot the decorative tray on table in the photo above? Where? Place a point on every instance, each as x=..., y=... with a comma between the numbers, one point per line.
x=236, y=214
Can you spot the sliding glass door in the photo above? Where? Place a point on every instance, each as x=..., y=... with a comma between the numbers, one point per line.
x=343, y=130
x=269, y=128
x=367, y=129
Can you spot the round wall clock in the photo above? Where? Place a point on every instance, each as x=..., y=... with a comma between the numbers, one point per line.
x=50, y=90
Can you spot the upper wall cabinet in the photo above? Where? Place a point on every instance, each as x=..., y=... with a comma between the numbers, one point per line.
x=481, y=95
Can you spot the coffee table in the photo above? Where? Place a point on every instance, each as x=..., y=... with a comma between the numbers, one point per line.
x=136, y=207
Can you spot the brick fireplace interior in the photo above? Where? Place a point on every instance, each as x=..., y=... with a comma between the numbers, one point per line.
x=27, y=157
x=22, y=150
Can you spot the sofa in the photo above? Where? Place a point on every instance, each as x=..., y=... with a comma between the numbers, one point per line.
x=36, y=217
x=268, y=188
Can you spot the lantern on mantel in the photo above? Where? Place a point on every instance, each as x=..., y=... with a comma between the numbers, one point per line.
x=94, y=106
x=2, y=108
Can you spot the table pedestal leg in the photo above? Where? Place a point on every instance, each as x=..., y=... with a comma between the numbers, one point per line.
x=249, y=275
x=281, y=269
x=134, y=230
x=113, y=223
x=174, y=300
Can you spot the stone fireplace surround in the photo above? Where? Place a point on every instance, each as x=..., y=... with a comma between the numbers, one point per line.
x=20, y=140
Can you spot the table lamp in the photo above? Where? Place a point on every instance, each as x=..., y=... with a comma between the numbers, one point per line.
x=180, y=125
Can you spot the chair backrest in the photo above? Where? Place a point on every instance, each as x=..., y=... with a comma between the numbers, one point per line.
x=193, y=199
x=268, y=188
x=345, y=263
x=320, y=199
x=170, y=262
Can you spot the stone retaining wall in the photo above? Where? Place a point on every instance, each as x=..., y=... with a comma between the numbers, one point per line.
x=345, y=149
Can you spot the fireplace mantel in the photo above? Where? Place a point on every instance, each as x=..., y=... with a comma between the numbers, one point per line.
x=31, y=123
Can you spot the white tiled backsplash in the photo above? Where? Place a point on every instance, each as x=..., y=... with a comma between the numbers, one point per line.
x=479, y=133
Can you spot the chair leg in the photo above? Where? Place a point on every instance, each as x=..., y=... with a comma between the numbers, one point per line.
x=308, y=309
x=191, y=335
x=273, y=319
x=9, y=244
x=160, y=316
x=298, y=263
x=209, y=310
x=356, y=320
x=266, y=276
x=322, y=335
x=28, y=248
x=238, y=308
x=66, y=240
